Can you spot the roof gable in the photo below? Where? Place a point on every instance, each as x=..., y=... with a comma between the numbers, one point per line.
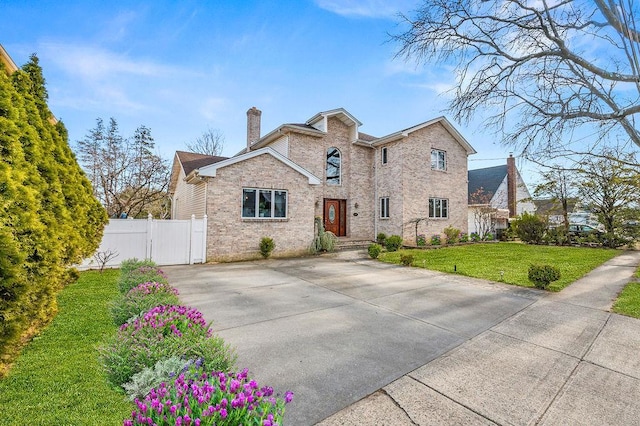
x=191, y=160
x=441, y=120
x=489, y=179
x=211, y=170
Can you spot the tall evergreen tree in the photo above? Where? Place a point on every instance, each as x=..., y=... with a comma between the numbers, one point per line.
x=49, y=219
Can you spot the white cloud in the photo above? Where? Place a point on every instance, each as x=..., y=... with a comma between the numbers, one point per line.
x=211, y=108
x=366, y=8
x=91, y=63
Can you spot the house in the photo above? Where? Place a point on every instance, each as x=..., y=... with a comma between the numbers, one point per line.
x=551, y=209
x=358, y=184
x=9, y=66
x=495, y=195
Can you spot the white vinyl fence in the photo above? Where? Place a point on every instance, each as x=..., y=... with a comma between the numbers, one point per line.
x=166, y=242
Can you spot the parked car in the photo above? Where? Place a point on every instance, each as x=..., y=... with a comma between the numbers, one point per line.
x=582, y=230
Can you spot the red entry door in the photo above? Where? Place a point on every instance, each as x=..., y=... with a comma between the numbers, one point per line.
x=335, y=216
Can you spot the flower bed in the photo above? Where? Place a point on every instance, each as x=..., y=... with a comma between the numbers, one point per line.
x=165, y=351
x=200, y=398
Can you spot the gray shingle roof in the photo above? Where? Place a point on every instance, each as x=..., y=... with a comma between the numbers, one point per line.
x=489, y=179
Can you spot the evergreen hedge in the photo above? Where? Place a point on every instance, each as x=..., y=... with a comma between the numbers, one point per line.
x=49, y=218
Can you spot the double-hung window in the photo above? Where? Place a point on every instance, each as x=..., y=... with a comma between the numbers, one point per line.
x=384, y=208
x=438, y=208
x=438, y=159
x=264, y=203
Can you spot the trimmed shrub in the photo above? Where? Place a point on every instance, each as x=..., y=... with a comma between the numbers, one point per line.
x=475, y=237
x=374, y=250
x=381, y=238
x=142, y=274
x=452, y=234
x=435, y=240
x=203, y=397
x=406, y=259
x=543, y=275
x=421, y=240
x=393, y=243
x=160, y=333
x=266, y=246
x=464, y=238
x=141, y=299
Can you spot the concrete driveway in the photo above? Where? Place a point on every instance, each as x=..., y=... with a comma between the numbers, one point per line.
x=420, y=347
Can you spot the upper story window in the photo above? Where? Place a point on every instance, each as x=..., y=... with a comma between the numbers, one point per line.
x=264, y=203
x=384, y=155
x=438, y=159
x=333, y=166
x=384, y=208
x=438, y=208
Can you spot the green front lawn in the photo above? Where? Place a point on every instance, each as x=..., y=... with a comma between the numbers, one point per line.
x=57, y=380
x=508, y=262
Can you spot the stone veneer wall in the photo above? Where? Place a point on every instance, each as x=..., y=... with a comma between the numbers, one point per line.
x=230, y=237
x=419, y=182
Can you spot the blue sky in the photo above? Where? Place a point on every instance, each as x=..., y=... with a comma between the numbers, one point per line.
x=180, y=67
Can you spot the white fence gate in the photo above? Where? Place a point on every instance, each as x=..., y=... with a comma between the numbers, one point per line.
x=166, y=242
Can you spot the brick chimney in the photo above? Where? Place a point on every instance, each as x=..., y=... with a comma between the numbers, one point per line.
x=253, y=126
x=512, y=186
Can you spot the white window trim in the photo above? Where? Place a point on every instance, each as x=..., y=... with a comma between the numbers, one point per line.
x=432, y=199
x=444, y=155
x=273, y=204
x=384, y=208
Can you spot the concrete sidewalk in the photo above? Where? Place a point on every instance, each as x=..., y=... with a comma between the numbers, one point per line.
x=561, y=360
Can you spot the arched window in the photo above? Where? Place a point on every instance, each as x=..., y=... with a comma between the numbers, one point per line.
x=333, y=166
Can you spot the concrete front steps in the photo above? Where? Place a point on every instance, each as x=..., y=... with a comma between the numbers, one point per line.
x=345, y=243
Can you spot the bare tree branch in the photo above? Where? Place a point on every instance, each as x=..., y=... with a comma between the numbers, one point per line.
x=539, y=70
x=211, y=142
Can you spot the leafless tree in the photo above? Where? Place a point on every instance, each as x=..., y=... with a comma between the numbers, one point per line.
x=484, y=215
x=211, y=142
x=103, y=257
x=540, y=70
x=127, y=176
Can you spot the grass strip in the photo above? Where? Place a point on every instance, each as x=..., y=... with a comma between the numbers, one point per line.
x=508, y=262
x=57, y=380
x=628, y=302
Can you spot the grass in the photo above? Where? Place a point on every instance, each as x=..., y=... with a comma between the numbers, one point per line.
x=487, y=261
x=628, y=301
x=57, y=380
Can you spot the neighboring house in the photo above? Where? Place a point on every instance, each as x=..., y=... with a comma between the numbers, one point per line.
x=6, y=60
x=552, y=210
x=358, y=184
x=501, y=188
x=189, y=196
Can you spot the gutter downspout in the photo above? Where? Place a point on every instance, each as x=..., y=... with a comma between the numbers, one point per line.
x=375, y=194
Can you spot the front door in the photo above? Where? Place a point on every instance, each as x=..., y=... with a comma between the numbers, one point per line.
x=335, y=216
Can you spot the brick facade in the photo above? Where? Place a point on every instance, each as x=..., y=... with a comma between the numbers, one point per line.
x=230, y=237
x=407, y=179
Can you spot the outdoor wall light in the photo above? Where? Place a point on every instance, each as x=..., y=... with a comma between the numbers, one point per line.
x=356, y=205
